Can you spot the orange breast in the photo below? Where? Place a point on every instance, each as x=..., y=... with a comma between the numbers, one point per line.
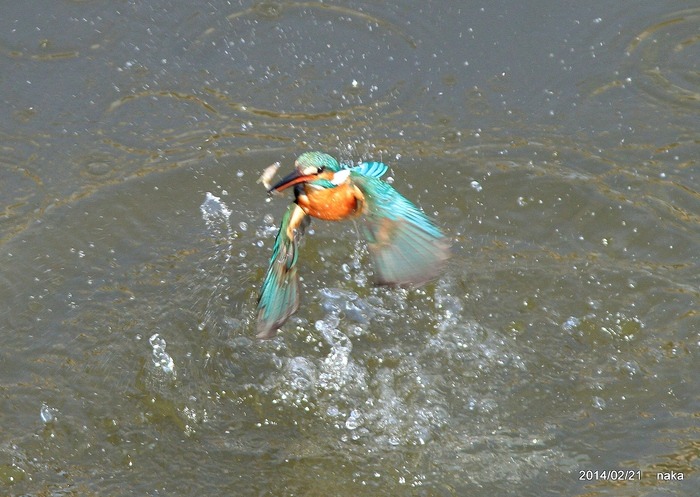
x=331, y=204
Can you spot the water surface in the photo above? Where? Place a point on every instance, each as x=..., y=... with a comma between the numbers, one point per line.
x=556, y=144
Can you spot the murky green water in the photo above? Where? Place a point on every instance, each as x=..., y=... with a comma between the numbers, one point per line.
x=556, y=145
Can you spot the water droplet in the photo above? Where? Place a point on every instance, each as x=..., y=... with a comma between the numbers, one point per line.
x=354, y=421
x=571, y=323
x=47, y=414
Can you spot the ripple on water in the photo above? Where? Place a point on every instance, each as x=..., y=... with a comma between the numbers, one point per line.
x=47, y=38
x=141, y=122
x=283, y=66
x=22, y=191
x=663, y=59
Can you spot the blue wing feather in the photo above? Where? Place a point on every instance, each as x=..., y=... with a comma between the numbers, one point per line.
x=370, y=169
x=279, y=296
x=407, y=248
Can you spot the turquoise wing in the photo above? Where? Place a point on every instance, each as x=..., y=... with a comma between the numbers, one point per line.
x=279, y=296
x=370, y=169
x=407, y=248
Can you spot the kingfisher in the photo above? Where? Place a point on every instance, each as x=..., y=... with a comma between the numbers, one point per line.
x=406, y=247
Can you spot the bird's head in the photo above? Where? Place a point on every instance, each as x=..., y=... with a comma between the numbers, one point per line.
x=316, y=169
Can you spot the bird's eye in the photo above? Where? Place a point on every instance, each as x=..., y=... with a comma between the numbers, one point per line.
x=320, y=170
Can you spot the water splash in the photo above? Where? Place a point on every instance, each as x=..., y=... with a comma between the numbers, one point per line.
x=337, y=368
x=216, y=215
x=353, y=308
x=386, y=396
x=161, y=359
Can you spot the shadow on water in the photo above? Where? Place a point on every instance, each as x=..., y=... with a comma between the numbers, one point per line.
x=563, y=336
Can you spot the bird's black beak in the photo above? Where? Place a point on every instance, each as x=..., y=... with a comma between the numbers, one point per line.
x=293, y=178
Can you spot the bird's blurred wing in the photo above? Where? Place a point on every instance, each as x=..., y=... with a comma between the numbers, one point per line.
x=406, y=246
x=279, y=296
